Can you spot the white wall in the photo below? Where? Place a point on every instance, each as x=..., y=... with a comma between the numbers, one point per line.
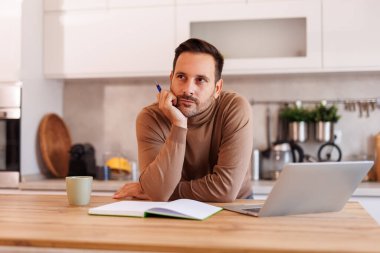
x=39, y=96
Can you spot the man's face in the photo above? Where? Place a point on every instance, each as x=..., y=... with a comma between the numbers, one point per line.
x=193, y=83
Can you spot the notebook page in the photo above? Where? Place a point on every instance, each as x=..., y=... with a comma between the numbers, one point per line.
x=126, y=208
x=191, y=208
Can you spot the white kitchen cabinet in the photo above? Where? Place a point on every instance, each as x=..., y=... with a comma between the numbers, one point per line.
x=258, y=36
x=114, y=42
x=190, y=2
x=66, y=5
x=10, y=40
x=72, y=42
x=138, y=3
x=351, y=34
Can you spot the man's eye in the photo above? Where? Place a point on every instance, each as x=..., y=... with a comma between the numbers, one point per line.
x=181, y=77
x=200, y=80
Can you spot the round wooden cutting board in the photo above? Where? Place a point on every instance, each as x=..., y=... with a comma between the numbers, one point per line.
x=55, y=142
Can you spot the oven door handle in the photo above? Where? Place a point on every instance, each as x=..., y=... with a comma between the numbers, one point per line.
x=3, y=114
x=10, y=113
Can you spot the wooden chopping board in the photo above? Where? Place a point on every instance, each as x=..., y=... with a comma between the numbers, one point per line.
x=377, y=157
x=54, y=142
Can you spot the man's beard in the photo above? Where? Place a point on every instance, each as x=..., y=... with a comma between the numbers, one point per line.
x=194, y=108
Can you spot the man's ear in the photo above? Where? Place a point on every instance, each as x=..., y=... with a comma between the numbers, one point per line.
x=218, y=88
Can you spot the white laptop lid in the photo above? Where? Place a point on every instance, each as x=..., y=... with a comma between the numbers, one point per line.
x=314, y=187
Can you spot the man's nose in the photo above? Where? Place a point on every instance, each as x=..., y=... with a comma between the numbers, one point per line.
x=188, y=88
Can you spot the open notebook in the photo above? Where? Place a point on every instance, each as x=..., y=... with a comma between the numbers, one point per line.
x=180, y=208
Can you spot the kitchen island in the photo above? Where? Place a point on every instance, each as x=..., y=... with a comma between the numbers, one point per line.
x=260, y=188
x=367, y=193
x=47, y=221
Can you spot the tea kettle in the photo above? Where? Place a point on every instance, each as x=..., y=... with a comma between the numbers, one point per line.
x=280, y=154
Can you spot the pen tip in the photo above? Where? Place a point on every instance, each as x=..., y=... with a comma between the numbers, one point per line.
x=158, y=86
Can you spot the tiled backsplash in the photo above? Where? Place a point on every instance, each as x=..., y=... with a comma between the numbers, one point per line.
x=103, y=111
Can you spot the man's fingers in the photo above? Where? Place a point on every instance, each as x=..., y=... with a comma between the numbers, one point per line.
x=173, y=100
x=121, y=193
x=130, y=190
x=118, y=195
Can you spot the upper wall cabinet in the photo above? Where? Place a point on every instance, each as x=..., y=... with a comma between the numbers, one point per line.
x=66, y=5
x=10, y=40
x=117, y=41
x=351, y=34
x=258, y=36
x=119, y=38
x=191, y=2
x=139, y=3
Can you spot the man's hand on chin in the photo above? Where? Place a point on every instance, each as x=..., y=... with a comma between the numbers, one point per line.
x=167, y=102
x=131, y=190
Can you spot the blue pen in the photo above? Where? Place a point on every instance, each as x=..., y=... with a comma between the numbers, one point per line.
x=158, y=86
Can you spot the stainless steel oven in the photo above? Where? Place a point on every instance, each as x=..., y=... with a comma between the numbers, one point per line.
x=10, y=117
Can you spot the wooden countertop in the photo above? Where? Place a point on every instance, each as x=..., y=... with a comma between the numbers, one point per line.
x=262, y=187
x=48, y=221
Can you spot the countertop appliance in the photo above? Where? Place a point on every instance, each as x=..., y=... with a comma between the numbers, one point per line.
x=10, y=117
x=280, y=154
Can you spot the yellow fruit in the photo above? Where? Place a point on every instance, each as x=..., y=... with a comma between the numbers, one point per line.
x=119, y=163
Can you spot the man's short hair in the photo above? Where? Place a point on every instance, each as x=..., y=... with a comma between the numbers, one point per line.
x=200, y=46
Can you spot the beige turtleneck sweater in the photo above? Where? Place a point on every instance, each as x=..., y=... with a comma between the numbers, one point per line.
x=208, y=161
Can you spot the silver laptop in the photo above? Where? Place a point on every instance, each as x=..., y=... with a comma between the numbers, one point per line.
x=304, y=188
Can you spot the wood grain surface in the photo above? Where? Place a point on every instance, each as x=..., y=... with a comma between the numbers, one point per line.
x=48, y=221
x=54, y=142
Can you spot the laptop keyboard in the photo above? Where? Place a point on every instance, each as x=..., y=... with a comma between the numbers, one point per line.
x=254, y=210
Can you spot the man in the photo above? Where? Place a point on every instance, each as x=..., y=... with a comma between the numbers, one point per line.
x=196, y=142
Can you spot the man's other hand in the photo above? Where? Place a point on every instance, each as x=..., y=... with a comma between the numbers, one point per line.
x=131, y=190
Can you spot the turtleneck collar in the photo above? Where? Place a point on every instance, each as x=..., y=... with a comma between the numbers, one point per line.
x=204, y=116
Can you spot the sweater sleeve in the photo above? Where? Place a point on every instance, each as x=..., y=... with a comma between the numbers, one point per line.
x=161, y=159
x=226, y=179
